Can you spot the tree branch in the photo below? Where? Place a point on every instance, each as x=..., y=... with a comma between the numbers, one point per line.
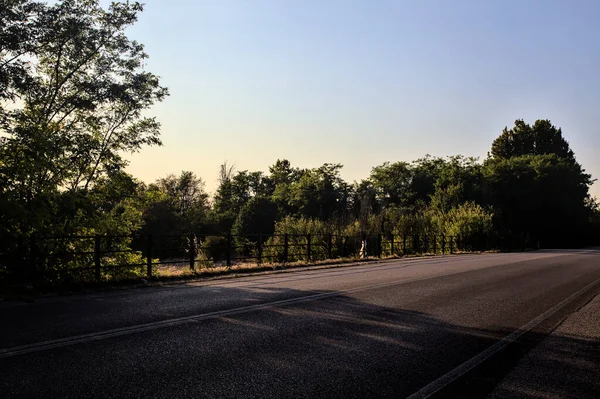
x=105, y=146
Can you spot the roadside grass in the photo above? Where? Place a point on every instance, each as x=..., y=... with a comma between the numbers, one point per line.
x=179, y=272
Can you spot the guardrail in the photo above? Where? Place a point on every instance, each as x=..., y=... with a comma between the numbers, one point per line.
x=104, y=257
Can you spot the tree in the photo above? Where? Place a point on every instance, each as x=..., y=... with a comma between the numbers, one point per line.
x=19, y=37
x=542, y=197
x=425, y=173
x=459, y=180
x=538, y=189
x=257, y=216
x=540, y=139
x=392, y=182
x=186, y=191
x=83, y=88
x=233, y=192
x=113, y=206
x=176, y=205
x=283, y=173
x=363, y=202
x=282, y=176
x=319, y=193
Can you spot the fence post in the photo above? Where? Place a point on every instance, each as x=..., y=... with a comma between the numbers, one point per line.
x=425, y=244
x=392, y=245
x=229, y=250
x=404, y=244
x=379, y=245
x=22, y=254
x=285, y=248
x=31, y=271
x=192, y=252
x=149, y=256
x=443, y=244
x=259, y=254
x=97, y=256
x=329, y=246
x=308, y=247
x=451, y=245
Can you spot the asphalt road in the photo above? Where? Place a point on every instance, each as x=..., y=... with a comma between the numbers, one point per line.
x=566, y=364
x=445, y=326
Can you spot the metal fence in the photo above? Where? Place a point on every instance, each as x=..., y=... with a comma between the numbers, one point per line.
x=54, y=260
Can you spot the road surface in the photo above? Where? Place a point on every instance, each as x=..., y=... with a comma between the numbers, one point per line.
x=451, y=326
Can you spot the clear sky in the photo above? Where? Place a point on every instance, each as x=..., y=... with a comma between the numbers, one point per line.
x=362, y=82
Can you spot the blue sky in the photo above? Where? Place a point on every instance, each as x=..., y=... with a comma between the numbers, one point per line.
x=364, y=82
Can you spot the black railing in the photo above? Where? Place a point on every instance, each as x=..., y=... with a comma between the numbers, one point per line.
x=99, y=258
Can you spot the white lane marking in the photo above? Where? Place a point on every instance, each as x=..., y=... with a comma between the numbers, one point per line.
x=445, y=380
x=116, y=332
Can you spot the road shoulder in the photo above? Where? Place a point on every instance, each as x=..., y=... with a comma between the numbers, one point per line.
x=563, y=365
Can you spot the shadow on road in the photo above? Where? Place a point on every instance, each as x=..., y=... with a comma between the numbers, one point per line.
x=335, y=347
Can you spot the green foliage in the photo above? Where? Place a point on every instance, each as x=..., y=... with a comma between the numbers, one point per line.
x=20, y=36
x=527, y=189
x=256, y=221
x=468, y=221
x=542, y=138
x=318, y=192
x=78, y=95
x=77, y=92
x=83, y=90
x=536, y=186
x=213, y=248
x=455, y=179
x=175, y=206
x=282, y=176
x=235, y=190
x=392, y=183
x=297, y=230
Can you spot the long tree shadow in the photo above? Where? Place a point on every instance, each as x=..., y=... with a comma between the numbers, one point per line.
x=335, y=347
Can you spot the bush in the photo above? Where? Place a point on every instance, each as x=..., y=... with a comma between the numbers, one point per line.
x=256, y=217
x=213, y=248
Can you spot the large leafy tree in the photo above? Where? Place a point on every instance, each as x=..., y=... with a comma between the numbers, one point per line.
x=459, y=180
x=19, y=36
x=282, y=176
x=363, y=202
x=236, y=189
x=176, y=205
x=185, y=192
x=392, y=183
x=537, y=187
x=543, y=197
x=453, y=181
x=541, y=138
x=319, y=193
x=425, y=173
x=257, y=216
x=80, y=90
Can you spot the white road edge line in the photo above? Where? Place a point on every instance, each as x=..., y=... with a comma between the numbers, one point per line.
x=116, y=332
x=445, y=380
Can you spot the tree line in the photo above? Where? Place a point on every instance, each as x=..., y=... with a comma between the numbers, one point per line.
x=73, y=99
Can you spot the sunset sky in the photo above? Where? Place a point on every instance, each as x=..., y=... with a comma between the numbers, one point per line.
x=364, y=82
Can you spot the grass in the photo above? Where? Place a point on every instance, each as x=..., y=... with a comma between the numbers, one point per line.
x=178, y=270
x=169, y=273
